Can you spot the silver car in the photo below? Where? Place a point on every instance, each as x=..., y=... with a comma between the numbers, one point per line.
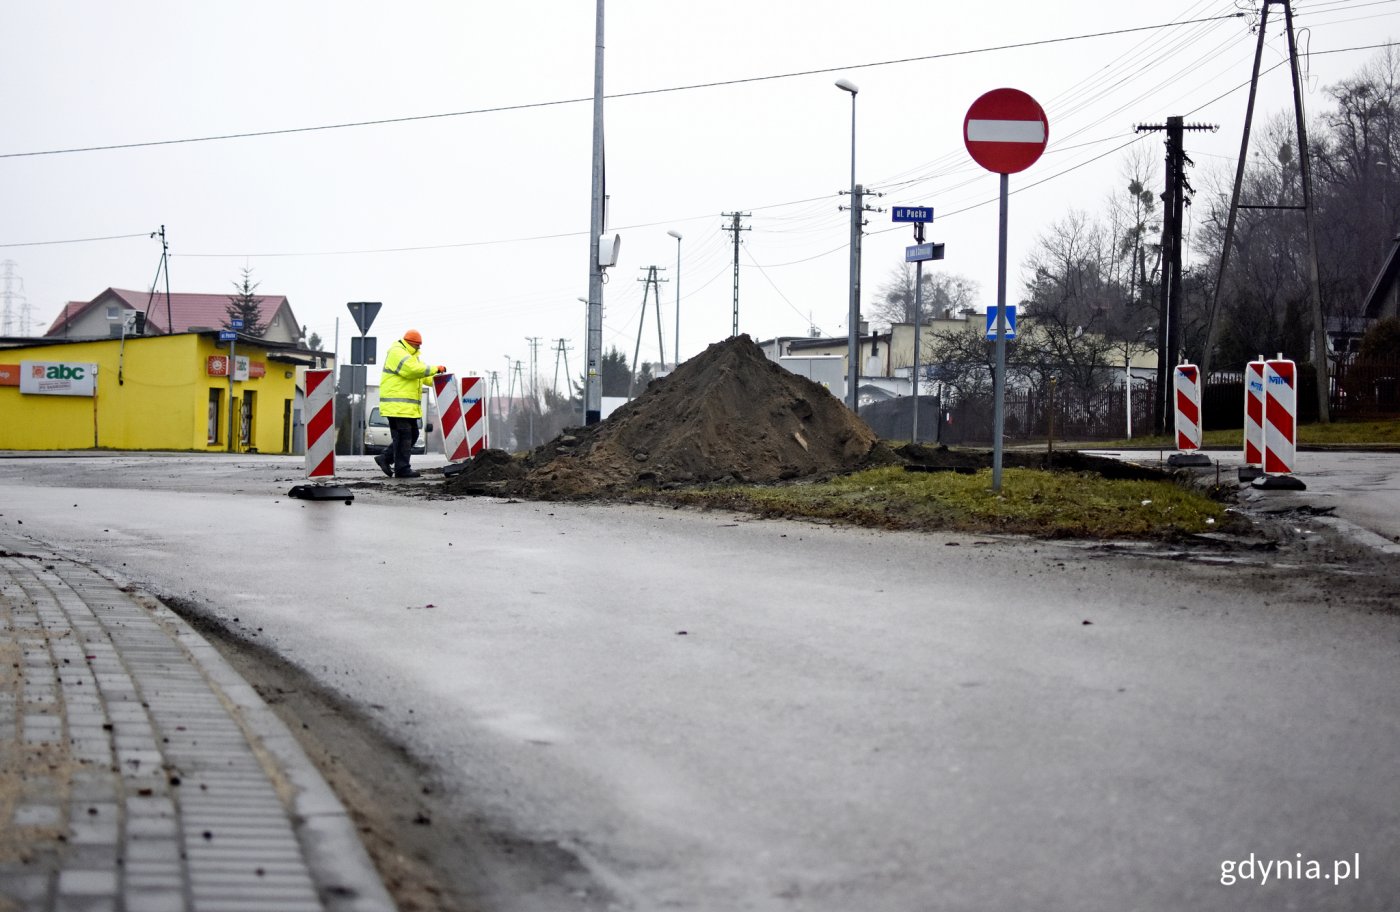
x=377, y=439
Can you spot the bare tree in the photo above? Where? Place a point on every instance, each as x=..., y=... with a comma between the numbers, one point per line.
x=945, y=294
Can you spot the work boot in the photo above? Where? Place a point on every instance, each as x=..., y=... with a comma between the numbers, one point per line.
x=410, y=474
x=382, y=460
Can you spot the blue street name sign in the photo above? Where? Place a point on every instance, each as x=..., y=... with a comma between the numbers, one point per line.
x=913, y=213
x=227, y=335
x=921, y=252
x=1010, y=322
x=235, y=324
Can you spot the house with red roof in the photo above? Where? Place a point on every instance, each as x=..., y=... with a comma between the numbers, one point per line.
x=104, y=315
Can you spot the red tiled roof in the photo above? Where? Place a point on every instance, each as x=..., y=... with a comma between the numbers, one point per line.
x=186, y=311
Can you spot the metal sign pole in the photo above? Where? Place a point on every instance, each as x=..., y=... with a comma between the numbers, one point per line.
x=232, y=359
x=999, y=381
x=918, y=327
x=358, y=403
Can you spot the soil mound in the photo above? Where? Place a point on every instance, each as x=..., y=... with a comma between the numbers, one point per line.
x=726, y=415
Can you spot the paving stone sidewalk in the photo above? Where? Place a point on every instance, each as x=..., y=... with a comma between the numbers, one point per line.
x=139, y=772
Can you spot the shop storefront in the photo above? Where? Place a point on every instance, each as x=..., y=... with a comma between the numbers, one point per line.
x=183, y=392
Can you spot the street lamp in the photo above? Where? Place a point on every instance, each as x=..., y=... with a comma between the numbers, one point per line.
x=853, y=329
x=677, y=235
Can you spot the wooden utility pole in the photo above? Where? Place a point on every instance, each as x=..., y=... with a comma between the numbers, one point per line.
x=1319, y=333
x=1170, y=327
x=652, y=282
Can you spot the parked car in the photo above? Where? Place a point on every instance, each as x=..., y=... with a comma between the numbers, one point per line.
x=377, y=438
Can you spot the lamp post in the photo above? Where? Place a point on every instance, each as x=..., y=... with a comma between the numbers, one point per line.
x=853, y=318
x=677, y=235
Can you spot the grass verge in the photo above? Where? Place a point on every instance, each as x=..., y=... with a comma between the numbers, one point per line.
x=1031, y=502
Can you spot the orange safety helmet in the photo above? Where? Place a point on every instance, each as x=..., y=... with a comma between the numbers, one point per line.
x=414, y=338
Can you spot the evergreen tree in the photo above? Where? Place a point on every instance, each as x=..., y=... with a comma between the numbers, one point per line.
x=244, y=306
x=614, y=373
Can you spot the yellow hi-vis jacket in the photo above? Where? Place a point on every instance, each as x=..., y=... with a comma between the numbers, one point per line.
x=401, y=384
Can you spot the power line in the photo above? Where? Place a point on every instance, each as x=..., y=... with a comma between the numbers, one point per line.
x=1134, y=140
x=255, y=134
x=114, y=237
x=673, y=221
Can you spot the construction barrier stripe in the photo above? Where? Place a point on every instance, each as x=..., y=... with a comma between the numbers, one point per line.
x=320, y=424
x=1254, y=413
x=474, y=411
x=454, y=432
x=1188, y=407
x=1280, y=417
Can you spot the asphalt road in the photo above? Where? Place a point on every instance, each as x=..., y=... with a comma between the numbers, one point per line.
x=1360, y=489
x=706, y=712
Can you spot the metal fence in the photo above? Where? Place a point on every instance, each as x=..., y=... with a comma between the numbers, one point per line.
x=1028, y=415
x=1360, y=390
x=1365, y=389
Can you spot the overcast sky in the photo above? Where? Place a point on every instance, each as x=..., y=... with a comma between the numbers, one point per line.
x=472, y=226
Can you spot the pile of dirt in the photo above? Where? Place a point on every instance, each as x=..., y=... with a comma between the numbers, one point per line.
x=727, y=415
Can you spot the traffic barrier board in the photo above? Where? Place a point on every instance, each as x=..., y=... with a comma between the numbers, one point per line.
x=320, y=424
x=474, y=413
x=1254, y=413
x=449, y=408
x=1187, y=387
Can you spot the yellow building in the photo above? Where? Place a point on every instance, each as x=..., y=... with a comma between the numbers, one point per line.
x=170, y=392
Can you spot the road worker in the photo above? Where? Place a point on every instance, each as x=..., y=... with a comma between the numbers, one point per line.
x=401, y=401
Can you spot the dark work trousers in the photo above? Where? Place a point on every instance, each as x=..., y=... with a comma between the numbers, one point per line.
x=403, y=434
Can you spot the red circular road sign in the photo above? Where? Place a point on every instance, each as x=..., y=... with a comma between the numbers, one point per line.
x=1005, y=131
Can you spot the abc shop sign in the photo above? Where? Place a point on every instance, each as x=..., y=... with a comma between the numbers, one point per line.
x=57, y=378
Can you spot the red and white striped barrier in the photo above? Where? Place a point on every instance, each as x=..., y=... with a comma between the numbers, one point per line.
x=449, y=409
x=320, y=424
x=1280, y=416
x=1186, y=380
x=474, y=413
x=1254, y=413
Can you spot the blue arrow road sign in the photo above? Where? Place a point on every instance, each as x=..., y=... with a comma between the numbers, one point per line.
x=227, y=335
x=913, y=213
x=1010, y=322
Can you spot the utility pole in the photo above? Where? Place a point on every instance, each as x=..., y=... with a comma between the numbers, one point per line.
x=652, y=282
x=567, y=374
x=164, y=266
x=529, y=412
x=510, y=399
x=593, y=380
x=853, y=311
x=534, y=367
x=493, y=396
x=858, y=209
x=735, y=228
x=561, y=350
x=10, y=283
x=1319, y=355
x=1170, y=328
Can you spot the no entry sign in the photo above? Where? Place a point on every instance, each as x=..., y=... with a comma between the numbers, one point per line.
x=1005, y=131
